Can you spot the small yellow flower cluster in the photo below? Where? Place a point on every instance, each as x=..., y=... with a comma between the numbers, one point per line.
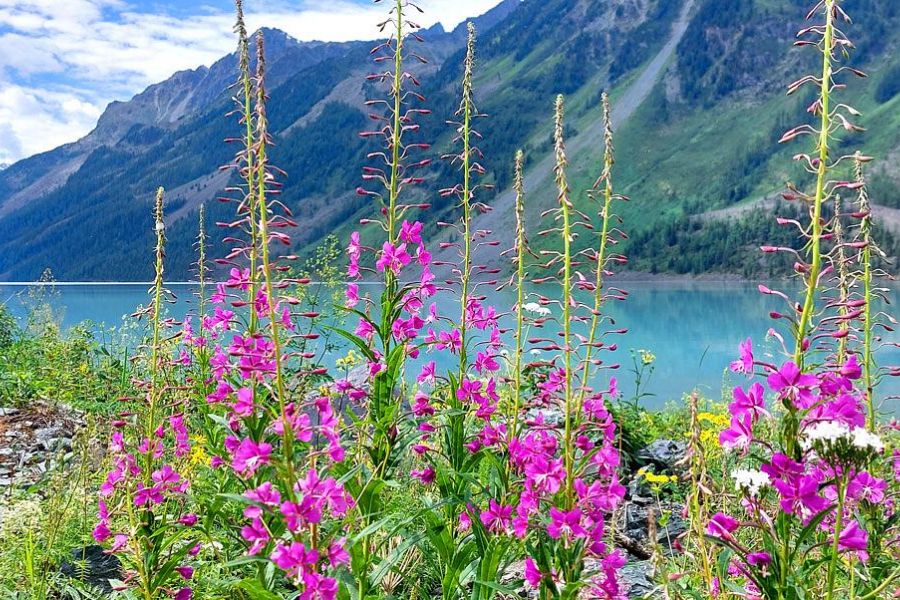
x=654, y=478
x=718, y=421
x=351, y=360
x=647, y=357
x=711, y=425
x=198, y=455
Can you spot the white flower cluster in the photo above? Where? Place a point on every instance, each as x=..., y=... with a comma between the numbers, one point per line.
x=537, y=309
x=750, y=480
x=866, y=440
x=829, y=432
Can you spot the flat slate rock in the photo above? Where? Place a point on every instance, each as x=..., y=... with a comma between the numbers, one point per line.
x=662, y=454
x=93, y=566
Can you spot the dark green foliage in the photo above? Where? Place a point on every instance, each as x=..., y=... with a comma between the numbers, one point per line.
x=889, y=84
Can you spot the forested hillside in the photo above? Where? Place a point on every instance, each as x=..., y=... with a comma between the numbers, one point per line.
x=704, y=139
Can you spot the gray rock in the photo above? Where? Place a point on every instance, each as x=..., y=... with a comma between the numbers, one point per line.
x=639, y=491
x=637, y=578
x=637, y=524
x=92, y=565
x=45, y=435
x=662, y=454
x=8, y=411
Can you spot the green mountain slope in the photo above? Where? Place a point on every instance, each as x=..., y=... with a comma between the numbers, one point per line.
x=699, y=106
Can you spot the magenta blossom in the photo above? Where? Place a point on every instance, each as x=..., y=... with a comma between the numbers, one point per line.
x=745, y=363
x=793, y=385
x=393, y=258
x=497, y=517
x=751, y=403
x=854, y=538
x=722, y=526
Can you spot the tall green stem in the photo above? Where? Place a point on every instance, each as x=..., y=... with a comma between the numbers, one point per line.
x=835, y=545
x=521, y=241
x=465, y=268
x=868, y=365
x=397, y=92
x=605, y=213
x=565, y=207
x=815, y=268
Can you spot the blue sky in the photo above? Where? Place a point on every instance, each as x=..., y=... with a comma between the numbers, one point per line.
x=63, y=61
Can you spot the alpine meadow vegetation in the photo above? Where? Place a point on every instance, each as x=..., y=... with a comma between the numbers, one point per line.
x=320, y=432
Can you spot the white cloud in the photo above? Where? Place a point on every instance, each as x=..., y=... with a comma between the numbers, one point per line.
x=61, y=62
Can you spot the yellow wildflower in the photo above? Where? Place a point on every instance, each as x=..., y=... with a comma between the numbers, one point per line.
x=647, y=357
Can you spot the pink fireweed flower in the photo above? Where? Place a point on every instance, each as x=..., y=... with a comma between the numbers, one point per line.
x=167, y=477
x=854, y=538
x=469, y=390
x=533, y=575
x=393, y=258
x=793, y=385
x=354, y=251
x=868, y=488
x=364, y=329
x=256, y=534
x=607, y=586
x=407, y=329
x=337, y=553
x=266, y=494
x=426, y=475
x=239, y=279
x=759, y=559
x=411, y=232
x=218, y=297
x=428, y=373
x=800, y=495
x=497, y=517
x=184, y=593
x=745, y=363
x=144, y=496
x=421, y=405
x=243, y=406
x=352, y=295
x=485, y=361
x=739, y=434
x=565, y=524
x=318, y=587
x=221, y=318
x=851, y=369
x=545, y=475
x=752, y=403
x=293, y=558
x=249, y=456
x=722, y=526
x=119, y=542
x=846, y=409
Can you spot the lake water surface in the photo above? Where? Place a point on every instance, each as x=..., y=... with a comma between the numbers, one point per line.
x=693, y=328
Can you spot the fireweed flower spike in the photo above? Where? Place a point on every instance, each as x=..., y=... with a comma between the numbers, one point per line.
x=145, y=492
x=281, y=445
x=388, y=331
x=601, y=258
x=570, y=482
x=831, y=41
x=806, y=471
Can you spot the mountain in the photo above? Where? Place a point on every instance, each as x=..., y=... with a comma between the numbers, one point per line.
x=697, y=85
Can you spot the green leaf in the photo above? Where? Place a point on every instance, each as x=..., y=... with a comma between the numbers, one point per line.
x=255, y=591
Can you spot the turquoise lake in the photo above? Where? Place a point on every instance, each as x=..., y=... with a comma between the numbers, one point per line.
x=693, y=328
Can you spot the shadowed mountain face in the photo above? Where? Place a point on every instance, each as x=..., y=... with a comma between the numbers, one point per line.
x=698, y=88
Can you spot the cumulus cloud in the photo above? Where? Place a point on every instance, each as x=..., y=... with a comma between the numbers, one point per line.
x=62, y=62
